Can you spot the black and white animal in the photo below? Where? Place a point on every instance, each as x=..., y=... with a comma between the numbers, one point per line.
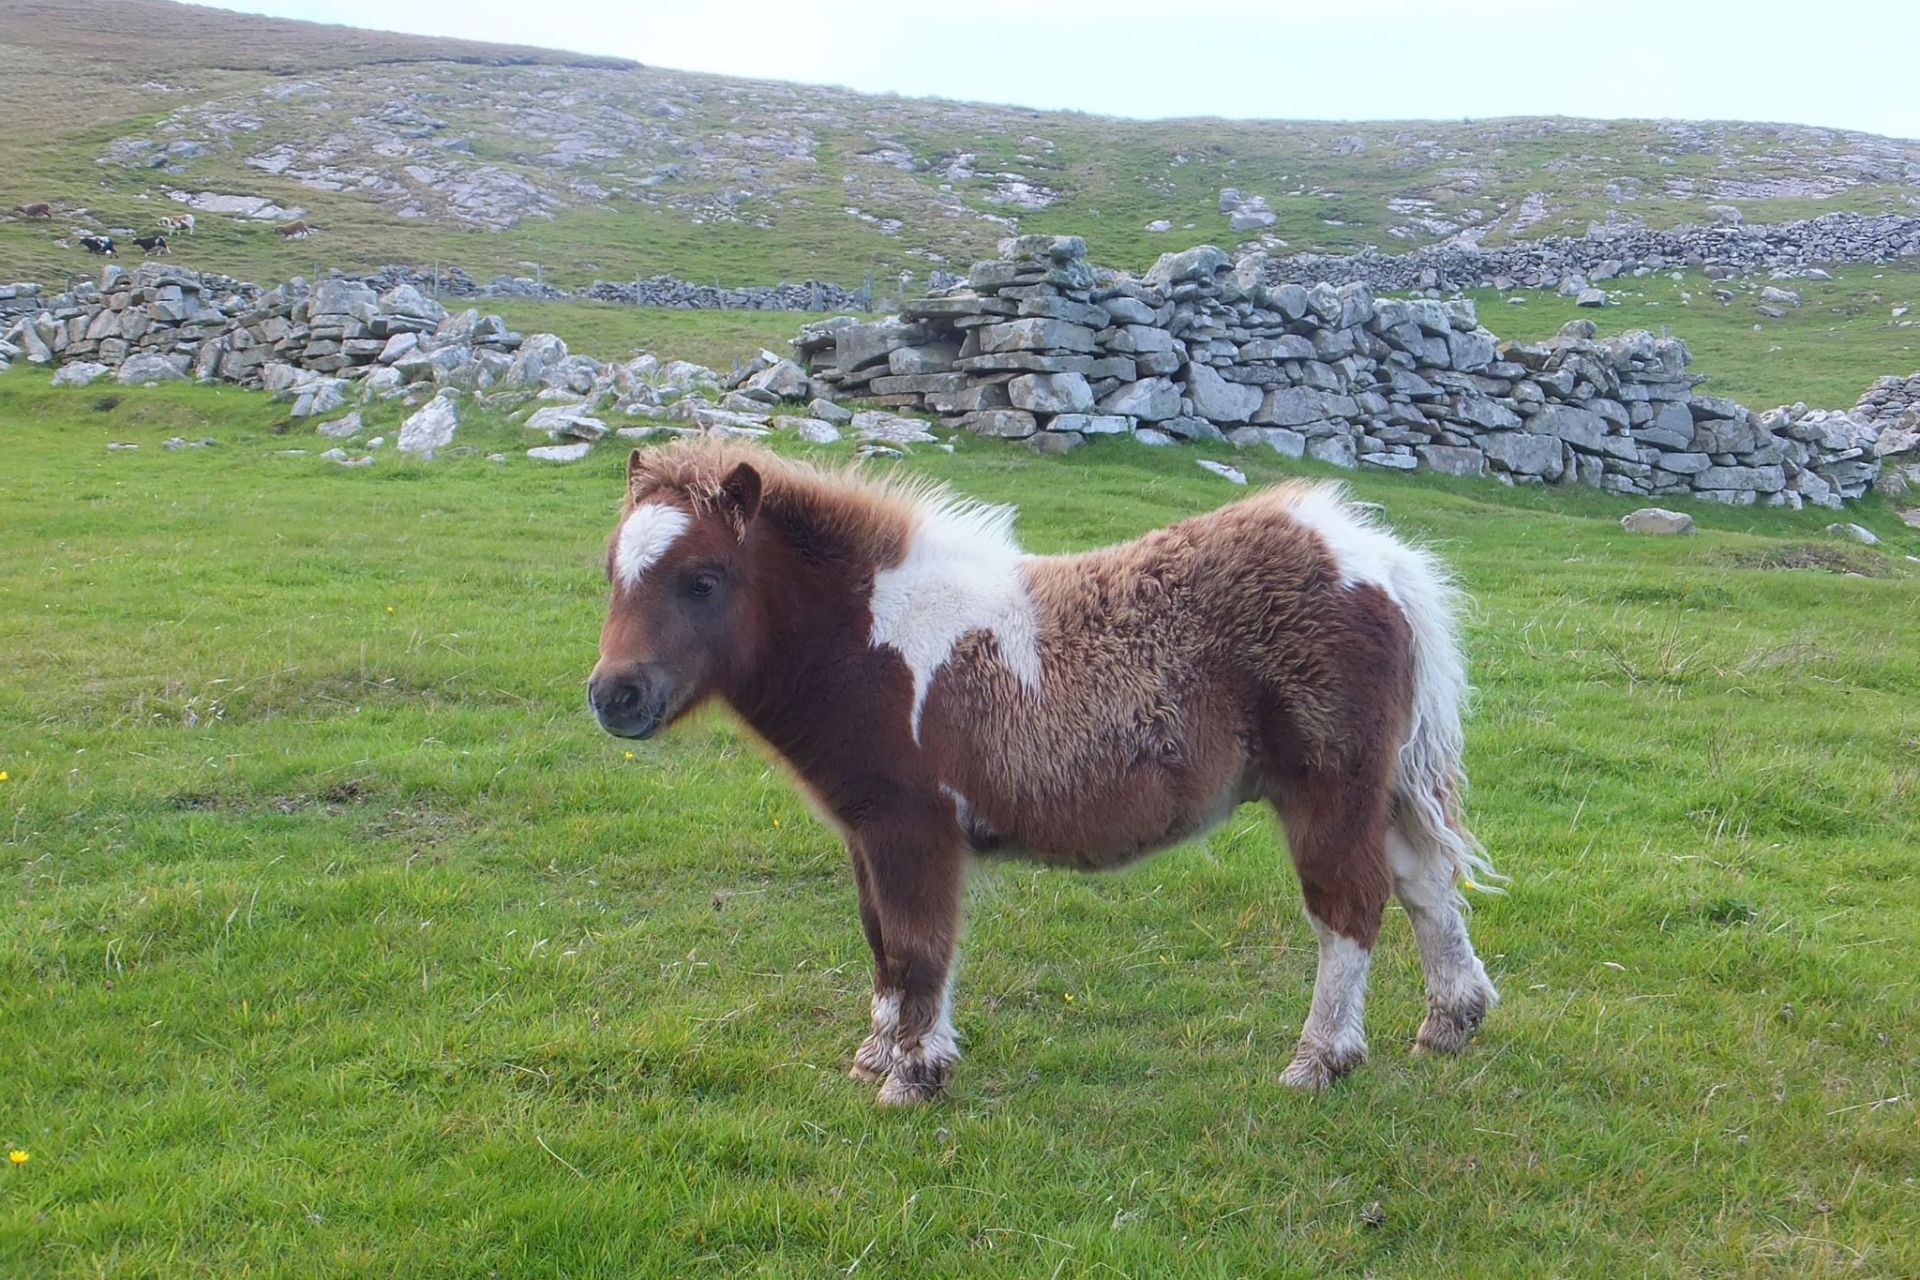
x=102, y=245
x=153, y=244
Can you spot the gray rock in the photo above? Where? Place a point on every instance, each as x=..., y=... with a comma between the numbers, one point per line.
x=148, y=366
x=341, y=428
x=1201, y=263
x=1656, y=520
x=1453, y=460
x=1008, y=424
x=561, y=452
x=784, y=380
x=1856, y=533
x=1055, y=442
x=431, y=427
x=79, y=374
x=1232, y=475
x=1298, y=406
x=1036, y=335
x=828, y=411
x=1051, y=393
x=1148, y=399
x=1220, y=401
x=1524, y=454
x=1340, y=450
x=1092, y=424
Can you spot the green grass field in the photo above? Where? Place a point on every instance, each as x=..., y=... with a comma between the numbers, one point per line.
x=339, y=941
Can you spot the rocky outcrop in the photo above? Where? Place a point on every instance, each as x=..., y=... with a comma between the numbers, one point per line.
x=1042, y=346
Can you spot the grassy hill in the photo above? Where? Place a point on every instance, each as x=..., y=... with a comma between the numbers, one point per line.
x=340, y=941
x=501, y=158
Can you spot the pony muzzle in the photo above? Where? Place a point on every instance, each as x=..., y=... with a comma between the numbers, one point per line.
x=631, y=703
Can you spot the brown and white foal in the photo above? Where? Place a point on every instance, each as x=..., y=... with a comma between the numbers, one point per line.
x=941, y=694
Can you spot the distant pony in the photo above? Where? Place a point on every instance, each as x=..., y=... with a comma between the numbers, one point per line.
x=938, y=693
x=102, y=245
x=296, y=230
x=38, y=209
x=154, y=244
x=177, y=222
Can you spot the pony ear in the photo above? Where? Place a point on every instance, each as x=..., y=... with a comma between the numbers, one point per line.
x=633, y=467
x=740, y=491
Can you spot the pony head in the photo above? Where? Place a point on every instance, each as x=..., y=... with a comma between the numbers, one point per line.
x=681, y=622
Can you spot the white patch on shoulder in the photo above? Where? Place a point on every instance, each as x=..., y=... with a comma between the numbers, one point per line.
x=644, y=538
x=962, y=573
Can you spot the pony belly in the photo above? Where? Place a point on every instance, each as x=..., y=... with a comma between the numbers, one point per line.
x=1098, y=832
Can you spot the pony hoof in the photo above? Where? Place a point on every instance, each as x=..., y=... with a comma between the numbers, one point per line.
x=1444, y=1033
x=1314, y=1069
x=872, y=1060
x=1448, y=1030
x=913, y=1082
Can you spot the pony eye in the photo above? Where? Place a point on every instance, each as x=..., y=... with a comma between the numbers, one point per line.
x=702, y=585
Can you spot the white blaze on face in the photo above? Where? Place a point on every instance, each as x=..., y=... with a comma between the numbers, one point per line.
x=962, y=573
x=644, y=538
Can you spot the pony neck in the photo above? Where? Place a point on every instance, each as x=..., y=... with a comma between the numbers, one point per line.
x=810, y=681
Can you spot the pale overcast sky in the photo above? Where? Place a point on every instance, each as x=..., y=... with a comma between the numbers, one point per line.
x=1840, y=63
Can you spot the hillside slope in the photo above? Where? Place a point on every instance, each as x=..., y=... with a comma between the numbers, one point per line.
x=501, y=158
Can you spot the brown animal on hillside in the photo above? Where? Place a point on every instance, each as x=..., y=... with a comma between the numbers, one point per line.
x=38, y=209
x=297, y=230
x=177, y=222
x=940, y=694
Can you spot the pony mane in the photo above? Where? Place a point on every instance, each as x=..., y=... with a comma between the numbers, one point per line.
x=840, y=505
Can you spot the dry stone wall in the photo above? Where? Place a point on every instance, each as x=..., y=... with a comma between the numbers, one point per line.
x=1729, y=249
x=1042, y=346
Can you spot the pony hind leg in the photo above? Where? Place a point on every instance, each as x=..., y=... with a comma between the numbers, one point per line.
x=1427, y=863
x=1336, y=834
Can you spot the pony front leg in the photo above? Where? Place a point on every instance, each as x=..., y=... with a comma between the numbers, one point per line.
x=874, y=1058
x=915, y=865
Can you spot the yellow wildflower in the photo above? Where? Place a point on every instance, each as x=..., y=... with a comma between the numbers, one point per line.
x=629, y=755
x=4, y=775
x=18, y=1156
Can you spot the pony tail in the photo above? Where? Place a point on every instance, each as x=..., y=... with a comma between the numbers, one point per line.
x=1431, y=790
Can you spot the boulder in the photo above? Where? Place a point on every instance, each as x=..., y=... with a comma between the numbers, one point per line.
x=149, y=366
x=1656, y=520
x=1202, y=263
x=828, y=411
x=79, y=374
x=342, y=427
x=784, y=381
x=431, y=427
